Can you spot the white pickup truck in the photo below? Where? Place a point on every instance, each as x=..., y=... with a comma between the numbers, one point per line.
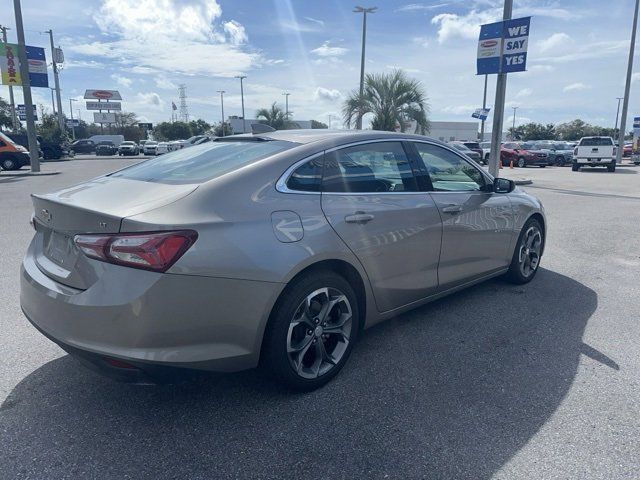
x=595, y=152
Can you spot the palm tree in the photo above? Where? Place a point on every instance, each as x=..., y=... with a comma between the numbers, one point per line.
x=274, y=117
x=393, y=98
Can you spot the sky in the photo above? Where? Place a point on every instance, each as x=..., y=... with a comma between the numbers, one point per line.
x=577, y=58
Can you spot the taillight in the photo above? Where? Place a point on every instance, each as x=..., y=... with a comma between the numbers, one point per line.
x=155, y=251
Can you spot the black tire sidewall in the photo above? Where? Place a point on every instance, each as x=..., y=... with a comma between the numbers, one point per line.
x=514, y=275
x=275, y=358
x=523, y=161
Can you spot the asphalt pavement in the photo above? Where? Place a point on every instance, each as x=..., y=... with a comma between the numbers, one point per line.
x=498, y=381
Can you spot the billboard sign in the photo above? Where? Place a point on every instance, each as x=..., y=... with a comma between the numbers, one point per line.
x=502, y=46
x=481, y=113
x=10, y=65
x=73, y=123
x=636, y=132
x=104, y=117
x=146, y=126
x=104, y=106
x=22, y=112
x=102, y=95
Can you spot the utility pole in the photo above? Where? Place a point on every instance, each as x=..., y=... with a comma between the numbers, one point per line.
x=364, y=11
x=286, y=105
x=244, y=121
x=222, y=92
x=615, y=129
x=26, y=90
x=498, y=106
x=484, y=107
x=513, y=128
x=53, y=102
x=329, y=121
x=57, y=82
x=12, y=102
x=73, y=128
x=627, y=88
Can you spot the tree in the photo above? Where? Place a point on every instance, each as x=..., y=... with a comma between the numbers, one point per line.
x=317, y=124
x=199, y=127
x=167, y=131
x=5, y=114
x=273, y=116
x=217, y=131
x=394, y=99
x=49, y=129
x=533, y=131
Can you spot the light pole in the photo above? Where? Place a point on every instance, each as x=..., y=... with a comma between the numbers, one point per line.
x=222, y=92
x=627, y=88
x=53, y=101
x=513, y=128
x=73, y=127
x=364, y=11
x=484, y=107
x=244, y=122
x=615, y=129
x=57, y=81
x=12, y=102
x=286, y=105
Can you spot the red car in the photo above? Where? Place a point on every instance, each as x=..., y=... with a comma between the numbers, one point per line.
x=627, y=151
x=522, y=155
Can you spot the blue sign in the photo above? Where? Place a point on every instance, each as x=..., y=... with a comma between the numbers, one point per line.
x=37, y=66
x=22, y=112
x=502, y=46
x=481, y=113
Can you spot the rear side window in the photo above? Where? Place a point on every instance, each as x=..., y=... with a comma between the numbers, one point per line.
x=369, y=168
x=307, y=177
x=596, y=142
x=202, y=163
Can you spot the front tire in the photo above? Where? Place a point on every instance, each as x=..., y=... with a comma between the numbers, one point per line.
x=612, y=167
x=10, y=163
x=575, y=167
x=311, y=331
x=521, y=162
x=527, y=254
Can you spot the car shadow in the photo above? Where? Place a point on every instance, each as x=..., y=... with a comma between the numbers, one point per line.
x=451, y=390
x=620, y=169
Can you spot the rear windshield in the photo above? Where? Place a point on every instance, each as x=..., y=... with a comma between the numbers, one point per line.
x=201, y=163
x=596, y=142
x=472, y=144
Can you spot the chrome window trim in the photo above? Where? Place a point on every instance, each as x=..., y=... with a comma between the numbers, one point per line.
x=281, y=184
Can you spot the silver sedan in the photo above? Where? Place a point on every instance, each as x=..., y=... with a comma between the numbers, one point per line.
x=275, y=249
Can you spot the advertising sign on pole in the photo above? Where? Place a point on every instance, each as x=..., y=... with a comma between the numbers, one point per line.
x=636, y=132
x=481, y=113
x=104, y=106
x=22, y=113
x=102, y=95
x=73, y=123
x=10, y=65
x=146, y=126
x=58, y=55
x=502, y=46
x=104, y=117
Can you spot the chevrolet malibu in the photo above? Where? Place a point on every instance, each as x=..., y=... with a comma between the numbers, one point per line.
x=275, y=249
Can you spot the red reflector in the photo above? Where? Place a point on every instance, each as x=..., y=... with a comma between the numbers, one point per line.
x=119, y=363
x=155, y=251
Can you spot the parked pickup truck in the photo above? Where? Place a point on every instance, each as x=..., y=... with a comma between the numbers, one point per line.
x=595, y=152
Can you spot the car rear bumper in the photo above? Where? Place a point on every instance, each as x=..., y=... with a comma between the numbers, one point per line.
x=595, y=161
x=148, y=319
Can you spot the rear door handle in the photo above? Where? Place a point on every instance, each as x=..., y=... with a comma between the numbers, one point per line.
x=359, y=217
x=452, y=208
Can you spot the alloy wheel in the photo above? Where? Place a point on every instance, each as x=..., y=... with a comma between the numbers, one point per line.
x=529, y=251
x=319, y=332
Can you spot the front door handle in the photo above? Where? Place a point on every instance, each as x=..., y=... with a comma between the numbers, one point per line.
x=359, y=217
x=452, y=208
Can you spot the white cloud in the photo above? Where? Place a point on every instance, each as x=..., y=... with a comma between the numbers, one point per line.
x=555, y=41
x=525, y=92
x=559, y=13
x=236, y=32
x=326, y=94
x=295, y=26
x=459, y=109
x=422, y=41
x=149, y=99
x=541, y=68
x=315, y=20
x=451, y=25
x=121, y=80
x=575, y=87
x=325, y=50
x=165, y=83
x=407, y=70
x=412, y=7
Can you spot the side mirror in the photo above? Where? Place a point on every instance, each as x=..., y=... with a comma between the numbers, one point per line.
x=503, y=185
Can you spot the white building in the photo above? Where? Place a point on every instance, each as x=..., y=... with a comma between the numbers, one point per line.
x=450, y=131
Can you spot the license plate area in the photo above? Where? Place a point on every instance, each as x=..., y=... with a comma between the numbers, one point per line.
x=60, y=249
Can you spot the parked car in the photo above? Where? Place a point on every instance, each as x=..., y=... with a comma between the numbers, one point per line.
x=522, y=155
x=128, y=148
x=12, y=155
x=595, y=152
x=461, y=147
x=558, y=153
x=47, y=150
x=115, y=139
x=224, y=267
x=627, y=151
x=486, y=151
x=475, y=147
x=162, y=147
x=194, y=140
x=205, y=140
x=177, y=145
x=150, y=147
x=83, y=146
x=106, y=148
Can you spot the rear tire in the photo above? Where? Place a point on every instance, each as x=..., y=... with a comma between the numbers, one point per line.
x=297, y=352
x=521, y=162
x=527, y=254
x=10, y=163
x=575, y=167
x=612, y=167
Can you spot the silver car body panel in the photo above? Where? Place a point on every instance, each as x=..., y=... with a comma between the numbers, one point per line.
x=211, y=308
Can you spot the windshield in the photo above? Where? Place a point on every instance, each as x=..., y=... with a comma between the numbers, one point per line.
x=596, y=142
x=201, y=163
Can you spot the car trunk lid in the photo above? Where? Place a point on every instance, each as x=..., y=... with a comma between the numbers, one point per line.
x=97, y=206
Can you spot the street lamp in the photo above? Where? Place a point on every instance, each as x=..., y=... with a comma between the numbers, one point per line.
x=222, y=92
x=364, y=11
x=73, y=127
x=286, y=105
x=244, y=122
x=513, y=129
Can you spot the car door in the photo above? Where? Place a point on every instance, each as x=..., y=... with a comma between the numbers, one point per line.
x=477, y=223
x=371, y=198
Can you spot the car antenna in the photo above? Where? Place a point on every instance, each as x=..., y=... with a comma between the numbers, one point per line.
x=257, y=128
